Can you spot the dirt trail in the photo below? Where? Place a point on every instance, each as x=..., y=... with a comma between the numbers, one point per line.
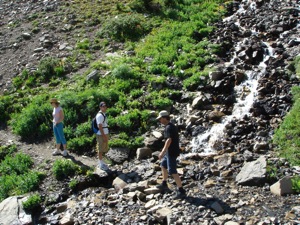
x=42, y=152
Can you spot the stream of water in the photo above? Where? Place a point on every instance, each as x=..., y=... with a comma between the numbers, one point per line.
x=245, y=93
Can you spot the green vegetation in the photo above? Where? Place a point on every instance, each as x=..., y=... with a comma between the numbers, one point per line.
x=64, y=168
x=286, y=137
x=296, y=184
x=17, y=176
x=73, y=184
x=169, y=38
x=7, y=150
x=32, y=203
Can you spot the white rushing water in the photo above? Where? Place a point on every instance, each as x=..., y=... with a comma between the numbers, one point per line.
x=246, y=92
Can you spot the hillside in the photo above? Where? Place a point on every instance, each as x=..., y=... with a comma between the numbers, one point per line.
x=198, y=74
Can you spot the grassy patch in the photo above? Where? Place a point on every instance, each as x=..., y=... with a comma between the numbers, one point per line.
x=286, y=137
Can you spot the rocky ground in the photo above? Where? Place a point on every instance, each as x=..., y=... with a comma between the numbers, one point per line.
x=217, y=184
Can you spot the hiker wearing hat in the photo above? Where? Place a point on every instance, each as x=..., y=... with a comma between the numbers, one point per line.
x=169, y=154
x=58, y=117
x=102, y=135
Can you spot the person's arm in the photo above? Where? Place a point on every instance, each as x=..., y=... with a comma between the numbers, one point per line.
x=165, y=148
x=61, y=116
x=100, y=126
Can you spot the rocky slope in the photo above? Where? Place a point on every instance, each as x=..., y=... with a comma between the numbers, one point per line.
x=227, y=186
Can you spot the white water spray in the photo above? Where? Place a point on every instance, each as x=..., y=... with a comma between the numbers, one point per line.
x=246, y=92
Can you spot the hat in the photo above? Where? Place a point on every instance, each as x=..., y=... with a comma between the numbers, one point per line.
x=161, y=114
x=54, y=100
x=102, y=104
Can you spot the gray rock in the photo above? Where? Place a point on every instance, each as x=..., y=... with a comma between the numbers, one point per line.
x=253, y=173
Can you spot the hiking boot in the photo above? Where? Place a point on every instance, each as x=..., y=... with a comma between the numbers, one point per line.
x=65, y=153
x=56, y=152
x=163, y=188
x=179, y=195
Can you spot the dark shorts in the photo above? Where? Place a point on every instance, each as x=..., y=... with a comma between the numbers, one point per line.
x=170, y=163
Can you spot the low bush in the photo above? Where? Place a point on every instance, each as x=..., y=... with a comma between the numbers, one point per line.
x=48, y=69
x=32, y=203
x=124, y=27
x=83, y=44
x=73, y=184
x=17, y=177
x=18, y=164
x=196, y=80
x=296, y=184
x=34, y=122
x=64, y=168
x=82, y=145
x=7, y=151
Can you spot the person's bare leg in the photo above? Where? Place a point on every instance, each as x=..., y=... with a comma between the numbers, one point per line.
x=100, y=156
x=58, y=146
x=177, y=180
x=164, y=173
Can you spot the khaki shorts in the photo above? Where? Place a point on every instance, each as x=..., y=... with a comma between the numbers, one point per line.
x=101, y=145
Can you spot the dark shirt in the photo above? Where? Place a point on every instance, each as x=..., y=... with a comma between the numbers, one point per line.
x=171, y=131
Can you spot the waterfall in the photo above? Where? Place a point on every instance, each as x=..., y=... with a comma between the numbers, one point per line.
x=245, y=95
x=246, y=92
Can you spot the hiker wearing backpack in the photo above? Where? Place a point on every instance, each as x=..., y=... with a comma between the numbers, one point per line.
x=102, y=135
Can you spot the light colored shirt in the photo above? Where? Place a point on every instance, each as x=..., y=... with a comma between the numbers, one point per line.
x=56, y=115
x=100, y=120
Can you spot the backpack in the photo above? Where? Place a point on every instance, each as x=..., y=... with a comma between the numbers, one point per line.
x=94, y=124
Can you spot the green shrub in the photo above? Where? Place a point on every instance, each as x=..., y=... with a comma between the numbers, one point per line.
x=117, y=142
x=7, y=150
x=49, y=67
x=128, y=122
x=19, y=184
x=124, y=27
x=84, y=44
x=124, y=86
x=137, y=142
x=7, y=106
x=157, y=81
x=82, y=145
x=73, y=184
x=162, y=103
x=197, y=79
x=16, y=177
x=32, y=203
x=135, y=104
x=123, y=71
x=296, y=64
x=135, y=93
x=296, y=184
x=18, y=164
x=64, y=168
x=34, y=122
